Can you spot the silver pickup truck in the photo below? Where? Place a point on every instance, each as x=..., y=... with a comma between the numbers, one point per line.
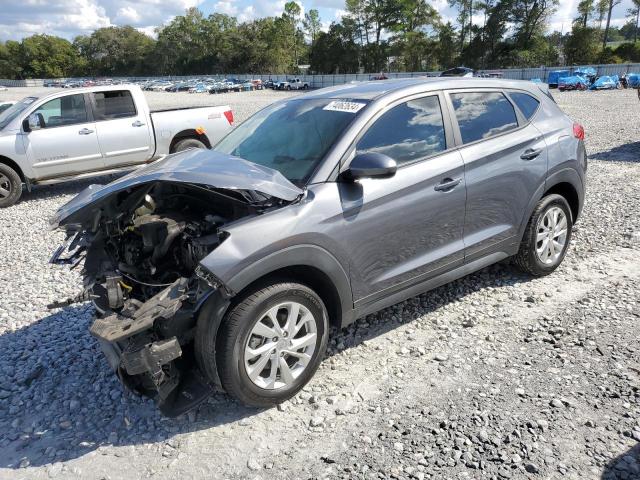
x=67, y=135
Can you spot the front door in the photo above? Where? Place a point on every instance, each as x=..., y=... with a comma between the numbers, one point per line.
x=123, y=131
x=66, y=142
x=402, y=230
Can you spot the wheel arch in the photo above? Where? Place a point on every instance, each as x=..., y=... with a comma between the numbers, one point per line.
x=189, y=133
x=10, y=163
x=570, y=194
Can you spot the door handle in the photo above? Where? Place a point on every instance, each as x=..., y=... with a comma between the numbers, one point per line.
x=137, y=123
x=530, y=153
x=85, y=131
x=447, y=184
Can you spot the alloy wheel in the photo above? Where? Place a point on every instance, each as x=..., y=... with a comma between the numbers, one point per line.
x=551, y=236
x=280, y=346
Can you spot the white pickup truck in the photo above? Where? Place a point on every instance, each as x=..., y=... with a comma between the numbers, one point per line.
x=67, y=135
x=293, y=84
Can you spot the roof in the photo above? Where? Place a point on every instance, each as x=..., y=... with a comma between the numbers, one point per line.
x=370, y=90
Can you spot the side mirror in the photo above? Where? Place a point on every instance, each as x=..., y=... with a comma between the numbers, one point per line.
x=371, y=165
x=32, y=122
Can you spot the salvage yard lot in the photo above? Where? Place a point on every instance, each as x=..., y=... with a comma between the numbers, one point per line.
x=496, y=375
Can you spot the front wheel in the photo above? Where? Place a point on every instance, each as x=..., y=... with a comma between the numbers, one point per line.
x=10, y=186
x=547, y=236
x=271, y=343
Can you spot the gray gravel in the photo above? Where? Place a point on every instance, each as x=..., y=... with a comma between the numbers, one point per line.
x=494, y=376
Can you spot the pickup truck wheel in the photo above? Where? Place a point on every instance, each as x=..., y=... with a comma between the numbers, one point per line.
x=547, y=236
x=271, y=343
x=10, y=186
x=188, y=143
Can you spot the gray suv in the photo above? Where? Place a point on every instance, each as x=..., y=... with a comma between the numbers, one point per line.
x=227, y=268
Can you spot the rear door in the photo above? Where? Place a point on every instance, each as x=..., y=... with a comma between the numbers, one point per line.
x=405, y=229
x=66, y=143
x=505, y=159
x=123, y=132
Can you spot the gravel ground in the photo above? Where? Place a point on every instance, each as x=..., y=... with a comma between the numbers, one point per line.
x=494, y=376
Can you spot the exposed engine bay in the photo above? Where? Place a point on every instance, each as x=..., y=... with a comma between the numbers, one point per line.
x=141, y=249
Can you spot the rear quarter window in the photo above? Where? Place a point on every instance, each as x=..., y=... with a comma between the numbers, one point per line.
x=527, y=104
x=482, y=115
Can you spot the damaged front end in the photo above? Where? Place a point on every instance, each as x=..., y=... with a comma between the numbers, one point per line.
x=142, y=239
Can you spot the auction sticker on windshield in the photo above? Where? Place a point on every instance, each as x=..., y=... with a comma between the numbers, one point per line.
x=343, y=106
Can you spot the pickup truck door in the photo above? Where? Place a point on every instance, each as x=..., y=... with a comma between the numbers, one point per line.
x=66, y=142
x=123, y=128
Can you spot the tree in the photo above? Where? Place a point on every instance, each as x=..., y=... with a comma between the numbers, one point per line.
x=529, y=18
x=634, y=15
x=292, y=16
x=337, y=50
x=312, y=24
x=46, y=56
x=581, y=46
x=585, y=11
x=445, y=49
x=115, y=51
x=610, y=5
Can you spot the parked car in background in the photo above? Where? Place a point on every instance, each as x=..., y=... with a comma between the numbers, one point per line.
x=92, y=131
x=293, y=84
x=458, y=72
x=227, y=268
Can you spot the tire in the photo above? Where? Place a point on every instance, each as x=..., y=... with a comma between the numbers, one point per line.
x=237, y=334
x=188, y=143
x=10, y=186
x=532, y=257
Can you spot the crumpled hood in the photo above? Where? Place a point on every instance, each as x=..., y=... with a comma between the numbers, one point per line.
x=199, y=167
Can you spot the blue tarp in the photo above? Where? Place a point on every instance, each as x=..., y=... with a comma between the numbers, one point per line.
x=605, y=82
x=633, y=80
x=573, y=81
x=536, y=80
x=555, y=75
x=585, y=72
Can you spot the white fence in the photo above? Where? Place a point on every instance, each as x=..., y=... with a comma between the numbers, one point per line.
x=320, y=81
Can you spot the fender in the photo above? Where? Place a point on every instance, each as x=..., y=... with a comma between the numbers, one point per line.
x=300, y=255
x=565, y=175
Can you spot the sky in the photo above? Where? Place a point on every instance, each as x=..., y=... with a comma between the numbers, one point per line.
x=69, y=18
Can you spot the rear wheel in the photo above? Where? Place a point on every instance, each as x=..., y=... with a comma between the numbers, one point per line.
x=10, y=186
x=271, y=343
x=188, y=143
x=547, y=236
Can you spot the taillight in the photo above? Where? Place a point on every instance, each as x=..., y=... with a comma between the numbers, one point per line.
x=578, y=131
x=229, y=115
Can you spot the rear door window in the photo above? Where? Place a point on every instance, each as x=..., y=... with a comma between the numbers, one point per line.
x=114, y=104
x=527, y=104
x=483, y=115
x=408, y=132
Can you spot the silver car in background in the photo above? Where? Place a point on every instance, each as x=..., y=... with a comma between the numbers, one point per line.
x=226, y=269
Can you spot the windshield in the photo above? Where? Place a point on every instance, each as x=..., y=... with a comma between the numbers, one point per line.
x=12, y=112
x=293, y=136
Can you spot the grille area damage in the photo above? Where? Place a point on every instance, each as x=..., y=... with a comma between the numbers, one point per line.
x=141, y=248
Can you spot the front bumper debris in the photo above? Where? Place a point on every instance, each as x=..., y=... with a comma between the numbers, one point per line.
x=143, y=360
